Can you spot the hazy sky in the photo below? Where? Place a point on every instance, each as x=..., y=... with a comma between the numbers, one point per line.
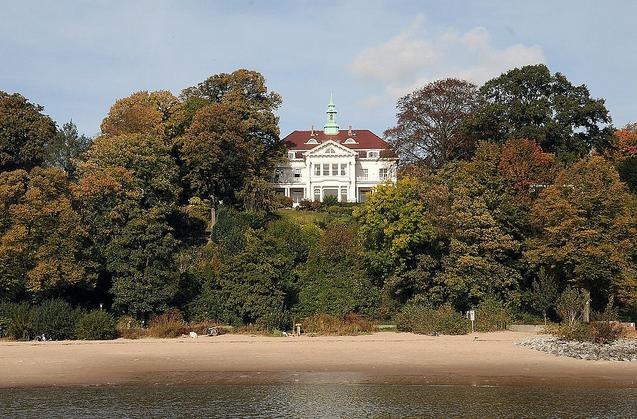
x=77, y=57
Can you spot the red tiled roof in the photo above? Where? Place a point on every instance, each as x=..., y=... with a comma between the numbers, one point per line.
x=365, y=139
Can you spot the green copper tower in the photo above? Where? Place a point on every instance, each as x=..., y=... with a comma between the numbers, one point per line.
x=331, y=127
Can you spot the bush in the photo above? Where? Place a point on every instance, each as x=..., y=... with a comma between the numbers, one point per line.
x=307, y=205
x=20, y=321
x=129, y=328
x=339, y=210
x=605, y=332
x=596, y=332
x=329, y=201
x=96, y=325
x=55, y=319
x=425, y=320
x=325, y=324
x=168, y=325
x=492, y=315
x=282, y=201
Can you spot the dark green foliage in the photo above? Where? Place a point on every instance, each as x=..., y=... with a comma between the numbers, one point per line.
x=20, y=321
x=530, y=102
x=96, y=325
x=24, y=133
x=423, y=319
x=334, y=280
x=55, y=319
x=596, y=332
x=66, y=149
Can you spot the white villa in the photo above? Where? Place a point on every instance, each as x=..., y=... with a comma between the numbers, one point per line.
x=346, y=164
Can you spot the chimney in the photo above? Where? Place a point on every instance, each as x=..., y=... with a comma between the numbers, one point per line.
x=349, y=131
x=312, y=133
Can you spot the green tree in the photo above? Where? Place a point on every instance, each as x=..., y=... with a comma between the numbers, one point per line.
x=24, y=133
x=233, y=136
x=530, y=102
x=66, y=149
x=544, y=293
x=334, y=281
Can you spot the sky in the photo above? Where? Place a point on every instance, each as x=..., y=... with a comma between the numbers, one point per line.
x=77, y=57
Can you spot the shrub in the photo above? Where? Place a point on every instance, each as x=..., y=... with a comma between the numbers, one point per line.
x=425, y=320
x=96, y=325
x=55, y=319
x=339, y=210
x=20, y=321
x=168, y=325
x=329, y=201
x=492, y=315
x=282, y=201
x=325, y=324
x=597, y=332
x=275, y=320
x=307, y=205
x=129, y=328
x=605, y=332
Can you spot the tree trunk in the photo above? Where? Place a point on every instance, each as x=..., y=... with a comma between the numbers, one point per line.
x=544, y=318
x=213, y=213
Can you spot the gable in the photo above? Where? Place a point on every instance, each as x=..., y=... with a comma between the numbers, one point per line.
x=330, y=149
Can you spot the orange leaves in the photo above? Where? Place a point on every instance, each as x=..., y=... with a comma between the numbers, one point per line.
x=523, y=163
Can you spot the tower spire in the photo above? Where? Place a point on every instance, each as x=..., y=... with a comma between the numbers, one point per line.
x=331, y=127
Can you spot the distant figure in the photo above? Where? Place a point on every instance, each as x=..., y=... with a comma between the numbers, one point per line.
x=193, y=335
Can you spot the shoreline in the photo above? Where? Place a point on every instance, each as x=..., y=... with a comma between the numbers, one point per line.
x=480, y=359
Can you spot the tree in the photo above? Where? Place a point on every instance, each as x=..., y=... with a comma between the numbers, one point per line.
x=42, y=239
x=146, y=156
x=334, y=281
x=625, y=156
x=24, y=133
x=570, y=305
x=66, y=148
x=233, y=136
x=524, y=165
x=141, y=259
x=430, y=122
x=154, y=113
x=480, y=255
x=544, y=293
x=585, y=231
x=530, y=102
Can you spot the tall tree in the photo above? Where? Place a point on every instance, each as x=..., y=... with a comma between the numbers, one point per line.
x=586, y=232
x=65, y=150
x=233, y=135
x=625, y=155
x=147, y=156
x=155, y=113
x=24, y=133
x=42, y=239
x=530, y=102
x=430, y=121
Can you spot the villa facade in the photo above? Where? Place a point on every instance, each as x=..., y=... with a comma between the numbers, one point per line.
x=346, y=164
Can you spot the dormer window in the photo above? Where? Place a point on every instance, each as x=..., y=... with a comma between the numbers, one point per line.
x=350, y=141
x=291, y=155
x=311, y=141
x=372, y=154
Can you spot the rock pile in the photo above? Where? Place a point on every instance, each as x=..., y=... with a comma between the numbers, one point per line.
x=621, y=350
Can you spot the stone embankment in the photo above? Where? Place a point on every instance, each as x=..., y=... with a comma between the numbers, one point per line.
x=621, y=350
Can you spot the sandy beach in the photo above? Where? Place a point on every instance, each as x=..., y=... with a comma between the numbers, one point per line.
x=477, y=359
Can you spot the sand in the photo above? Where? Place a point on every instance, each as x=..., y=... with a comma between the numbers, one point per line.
x=388, y=357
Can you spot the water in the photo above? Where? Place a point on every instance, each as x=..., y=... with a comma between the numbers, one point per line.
x=308, y=400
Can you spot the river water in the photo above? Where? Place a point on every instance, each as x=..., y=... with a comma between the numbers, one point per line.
x=310, y=400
